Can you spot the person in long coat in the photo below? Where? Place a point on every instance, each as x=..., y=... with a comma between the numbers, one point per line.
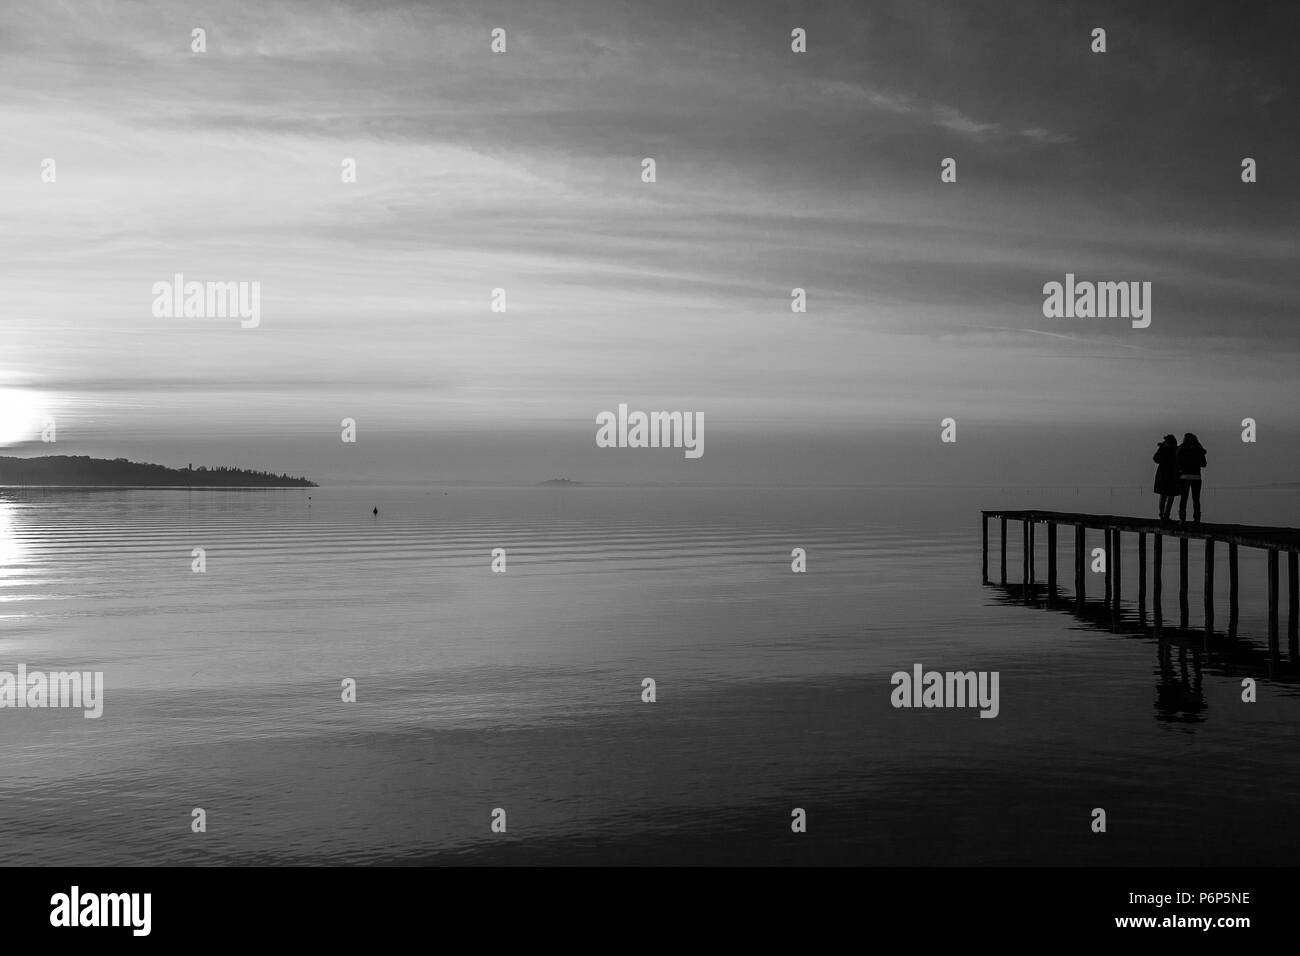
x=1191, y=459
x=1167, y=484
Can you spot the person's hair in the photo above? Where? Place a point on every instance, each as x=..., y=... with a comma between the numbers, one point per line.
x=1189, y=437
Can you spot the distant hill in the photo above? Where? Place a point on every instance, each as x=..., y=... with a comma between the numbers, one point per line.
x=87, y=471
x=560, y=481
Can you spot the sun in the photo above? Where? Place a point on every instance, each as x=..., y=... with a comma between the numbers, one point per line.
x=20, y=416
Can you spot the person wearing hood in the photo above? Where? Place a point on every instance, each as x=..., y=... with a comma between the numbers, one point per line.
x=1191, y=459
x=1168, y=485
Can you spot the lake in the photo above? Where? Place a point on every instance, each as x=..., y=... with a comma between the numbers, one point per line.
x=522, y=691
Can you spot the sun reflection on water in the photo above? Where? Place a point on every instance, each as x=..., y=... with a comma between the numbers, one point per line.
x=13, y=553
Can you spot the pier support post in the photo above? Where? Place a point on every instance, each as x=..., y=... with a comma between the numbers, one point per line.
x=1182, y=583
x=1142, y=578
x=1157, y=581
x=1232, y=590
x=1117, y=559
x=1105, y=544
x=1293, y=611
x=1272, y=603
x=1051, y=560
x=1209, y=588
x=1024, y=560
x=1033, y=552
x=1080, y=568
x=1004, y=552
x=984, y=550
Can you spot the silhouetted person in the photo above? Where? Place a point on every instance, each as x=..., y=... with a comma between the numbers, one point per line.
x=1167, y=484
x=1191, y=459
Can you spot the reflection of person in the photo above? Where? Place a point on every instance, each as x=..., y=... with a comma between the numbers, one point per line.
x=1191, y=459
x=1179, y=695
x=1167, y=483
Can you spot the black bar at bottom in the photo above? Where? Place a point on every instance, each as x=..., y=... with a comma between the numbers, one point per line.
x=937, y=905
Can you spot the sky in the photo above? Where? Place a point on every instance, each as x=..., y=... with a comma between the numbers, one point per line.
x=774, y=170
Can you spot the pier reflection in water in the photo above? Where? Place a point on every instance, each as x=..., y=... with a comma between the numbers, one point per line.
x=1184, y=651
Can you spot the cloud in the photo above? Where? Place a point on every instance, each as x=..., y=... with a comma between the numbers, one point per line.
x=522, y=171
x=939, y=115
x=1039, y=135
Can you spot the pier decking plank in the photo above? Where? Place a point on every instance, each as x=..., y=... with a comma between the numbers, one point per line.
x=1247, y=535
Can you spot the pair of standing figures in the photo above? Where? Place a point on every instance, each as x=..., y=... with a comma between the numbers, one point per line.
x=1178, y=475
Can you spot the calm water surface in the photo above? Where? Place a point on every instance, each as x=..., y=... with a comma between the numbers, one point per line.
x=522, y=690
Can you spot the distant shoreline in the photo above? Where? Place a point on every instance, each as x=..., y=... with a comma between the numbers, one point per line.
x=52, y=485
x=82, y=471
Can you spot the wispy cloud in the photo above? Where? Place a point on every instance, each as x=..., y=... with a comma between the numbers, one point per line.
x=940, y=115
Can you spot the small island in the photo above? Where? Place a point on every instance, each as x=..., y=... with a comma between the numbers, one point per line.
x=84, y=471
x=561, y=482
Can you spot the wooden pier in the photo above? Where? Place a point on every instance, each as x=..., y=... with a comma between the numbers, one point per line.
x=1114, y=528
